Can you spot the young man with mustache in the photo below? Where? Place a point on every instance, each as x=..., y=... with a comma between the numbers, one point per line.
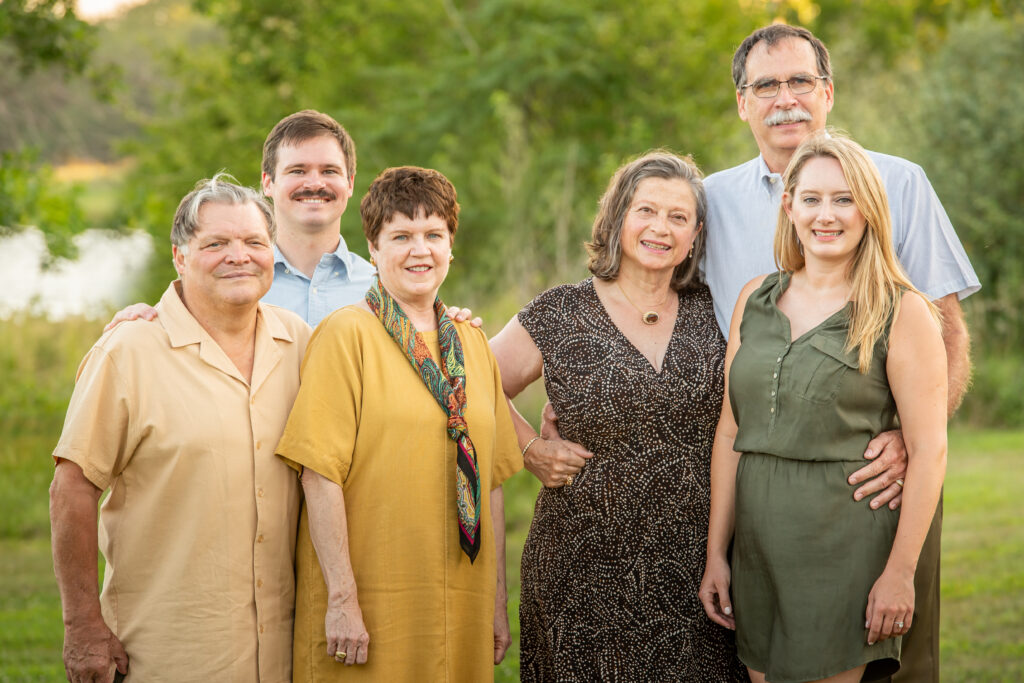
x=309, y=169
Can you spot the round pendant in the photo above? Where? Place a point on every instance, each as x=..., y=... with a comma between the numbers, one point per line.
x=650, y=318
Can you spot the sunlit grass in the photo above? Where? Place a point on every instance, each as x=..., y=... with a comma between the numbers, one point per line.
x=983, y=540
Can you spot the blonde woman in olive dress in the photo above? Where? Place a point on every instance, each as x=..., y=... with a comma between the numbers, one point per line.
x=822, y=356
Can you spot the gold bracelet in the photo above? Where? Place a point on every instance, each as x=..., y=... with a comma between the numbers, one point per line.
x=528, y=444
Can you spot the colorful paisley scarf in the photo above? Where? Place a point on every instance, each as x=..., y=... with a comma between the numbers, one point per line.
x=448, y=385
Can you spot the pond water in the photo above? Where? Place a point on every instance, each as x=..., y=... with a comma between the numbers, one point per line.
x=103, y=276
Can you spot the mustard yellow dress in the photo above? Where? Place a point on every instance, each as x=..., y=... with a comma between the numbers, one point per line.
x=364, y=419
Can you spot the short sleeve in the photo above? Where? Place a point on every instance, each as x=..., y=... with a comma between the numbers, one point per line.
x=925, y=241
x=96, y=428
x=324, y=420
x=544, y=317
x=507, y=460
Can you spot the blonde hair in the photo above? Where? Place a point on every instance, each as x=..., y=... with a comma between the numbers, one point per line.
x=877, y=279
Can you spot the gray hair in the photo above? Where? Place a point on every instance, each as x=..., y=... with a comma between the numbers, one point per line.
x=605, y=245
x=771, y=35
x=220, y=189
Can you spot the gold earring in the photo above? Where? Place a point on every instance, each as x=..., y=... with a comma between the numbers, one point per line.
x=372, y=262
x=691, y=250
x=451, y=258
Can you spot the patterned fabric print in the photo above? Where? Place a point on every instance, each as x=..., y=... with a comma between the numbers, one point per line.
x=448, y=386
x=612, y=565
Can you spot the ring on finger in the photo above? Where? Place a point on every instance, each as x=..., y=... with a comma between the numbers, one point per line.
x=568, y=480
x=899, y=482
x=340, y=655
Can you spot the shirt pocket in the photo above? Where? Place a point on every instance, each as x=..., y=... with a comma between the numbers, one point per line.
x=828, y=364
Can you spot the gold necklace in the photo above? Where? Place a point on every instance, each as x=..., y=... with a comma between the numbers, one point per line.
x=649, y=317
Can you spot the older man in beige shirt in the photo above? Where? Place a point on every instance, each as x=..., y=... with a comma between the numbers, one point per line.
x=179, y=419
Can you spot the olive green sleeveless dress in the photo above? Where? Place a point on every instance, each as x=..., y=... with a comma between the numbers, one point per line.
x=806, y=554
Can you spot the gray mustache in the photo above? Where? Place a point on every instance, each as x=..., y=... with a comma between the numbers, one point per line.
x=784, y=116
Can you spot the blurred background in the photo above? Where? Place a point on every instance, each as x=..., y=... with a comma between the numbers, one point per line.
x=110, y=111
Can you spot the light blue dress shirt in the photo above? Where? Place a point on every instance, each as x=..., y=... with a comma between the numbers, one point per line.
x=743, y=209
x=341, y=278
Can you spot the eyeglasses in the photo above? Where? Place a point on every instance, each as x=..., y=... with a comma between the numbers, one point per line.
x=801, y=84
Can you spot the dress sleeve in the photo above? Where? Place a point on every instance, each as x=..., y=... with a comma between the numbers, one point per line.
x=544, y=317
x=925, y=241
x=507, y=459
x=324, y=421
x=96, y=434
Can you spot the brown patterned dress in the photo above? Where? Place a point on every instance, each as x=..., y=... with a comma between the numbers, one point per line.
x=612, y=565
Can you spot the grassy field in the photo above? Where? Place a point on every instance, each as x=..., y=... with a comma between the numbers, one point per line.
x=982, y=580
x=983, y=540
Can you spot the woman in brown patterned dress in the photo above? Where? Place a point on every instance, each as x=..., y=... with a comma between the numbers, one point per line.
x=632, y=363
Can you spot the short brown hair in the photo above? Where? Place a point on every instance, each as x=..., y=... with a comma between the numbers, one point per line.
x=771, y=35
x=306, y=125
x=407, y=190
x=605, y=245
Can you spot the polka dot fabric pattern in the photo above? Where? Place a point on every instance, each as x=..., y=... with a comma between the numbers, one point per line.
x=612, y=564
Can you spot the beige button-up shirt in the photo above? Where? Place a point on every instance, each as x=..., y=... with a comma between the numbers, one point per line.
x=198, y=530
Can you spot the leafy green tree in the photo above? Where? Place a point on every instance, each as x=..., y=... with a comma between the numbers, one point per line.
x=39, y=32
x=29, y=197
x=971, y=117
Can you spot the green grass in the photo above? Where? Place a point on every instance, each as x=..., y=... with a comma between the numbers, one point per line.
x=983, y=538
x=982, y=579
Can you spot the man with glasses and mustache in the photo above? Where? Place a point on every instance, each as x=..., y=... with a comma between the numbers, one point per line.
x=784, y=92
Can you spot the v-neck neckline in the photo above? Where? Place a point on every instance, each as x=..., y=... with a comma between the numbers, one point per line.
x=647, y=361
x=780, y=287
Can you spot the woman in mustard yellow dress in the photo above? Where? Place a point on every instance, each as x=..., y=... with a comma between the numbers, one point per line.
x=403, y=438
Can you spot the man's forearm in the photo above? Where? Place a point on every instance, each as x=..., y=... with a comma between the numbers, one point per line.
x=73, y=519
x=957, y=341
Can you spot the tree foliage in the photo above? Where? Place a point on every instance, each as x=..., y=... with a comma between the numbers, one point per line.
x=41, y=32
x=527, y=105
x=29, y=196
x=971, y=114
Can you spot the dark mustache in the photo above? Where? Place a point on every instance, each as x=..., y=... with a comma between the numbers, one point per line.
x=314, y=194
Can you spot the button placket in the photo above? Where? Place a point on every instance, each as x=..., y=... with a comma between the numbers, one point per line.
x=776, y=371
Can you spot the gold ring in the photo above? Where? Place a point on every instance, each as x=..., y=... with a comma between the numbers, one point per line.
x=899, y=482
x=340, y=656
x=568, y=480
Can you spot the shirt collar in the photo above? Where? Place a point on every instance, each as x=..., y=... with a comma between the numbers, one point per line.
x=771, y=181
x=341, y=254
x=183, y=329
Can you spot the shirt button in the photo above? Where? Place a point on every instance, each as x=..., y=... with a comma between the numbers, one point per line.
x=779, y=359
x=314, y=290
x=259, y=583
x=261, y=628
x=259, y=492
x=773, y=392
x=252, y=401
x=772, y=409
x=775, y=375
x=259, y=539
x=258, y=444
